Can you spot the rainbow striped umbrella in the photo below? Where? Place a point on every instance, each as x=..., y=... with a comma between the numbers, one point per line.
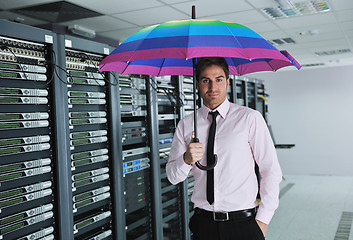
x=170, y=45
x=171, y=48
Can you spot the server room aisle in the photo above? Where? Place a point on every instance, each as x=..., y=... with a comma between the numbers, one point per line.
x=314, y=208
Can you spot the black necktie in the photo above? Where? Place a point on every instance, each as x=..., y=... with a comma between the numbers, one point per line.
x=210, y=158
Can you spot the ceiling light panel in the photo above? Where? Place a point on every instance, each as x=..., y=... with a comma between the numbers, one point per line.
x=296, y=9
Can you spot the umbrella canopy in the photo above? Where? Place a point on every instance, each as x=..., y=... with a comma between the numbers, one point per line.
x=177, y=66
x=171, y=48
x=194, y=38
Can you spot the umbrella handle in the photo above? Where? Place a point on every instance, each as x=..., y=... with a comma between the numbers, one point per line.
x=202, y=167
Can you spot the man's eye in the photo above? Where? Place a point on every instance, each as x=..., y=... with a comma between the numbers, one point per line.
x=205, y=81
x=219, y=80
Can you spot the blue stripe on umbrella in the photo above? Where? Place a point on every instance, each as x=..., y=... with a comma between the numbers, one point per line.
x=194, y=41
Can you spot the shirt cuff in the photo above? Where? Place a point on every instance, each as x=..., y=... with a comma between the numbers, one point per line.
x=264, y=215
x=183, y=166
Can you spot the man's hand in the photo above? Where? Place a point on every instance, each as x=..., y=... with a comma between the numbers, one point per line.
x=194, y=152
x=263, y=227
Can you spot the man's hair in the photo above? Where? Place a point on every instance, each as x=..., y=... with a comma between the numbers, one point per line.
x=206, y=62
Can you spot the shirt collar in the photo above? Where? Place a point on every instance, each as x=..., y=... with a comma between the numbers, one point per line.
x=222, y=109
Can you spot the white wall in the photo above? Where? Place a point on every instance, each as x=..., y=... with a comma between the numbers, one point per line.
x=312, y=108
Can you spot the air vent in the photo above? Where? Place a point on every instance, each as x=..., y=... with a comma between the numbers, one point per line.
x=57, y=12
x=297, y=9
x=333, y=52
x=313, y=65
x=281, y=41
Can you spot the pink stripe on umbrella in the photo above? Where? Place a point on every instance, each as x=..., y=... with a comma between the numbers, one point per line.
x=246, y=53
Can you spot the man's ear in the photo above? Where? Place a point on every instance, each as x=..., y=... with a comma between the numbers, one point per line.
x=228, y=80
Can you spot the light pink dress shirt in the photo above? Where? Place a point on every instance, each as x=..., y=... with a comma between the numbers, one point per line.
x=242, y=136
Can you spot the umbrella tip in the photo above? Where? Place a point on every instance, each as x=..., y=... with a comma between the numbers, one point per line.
x=193, y=12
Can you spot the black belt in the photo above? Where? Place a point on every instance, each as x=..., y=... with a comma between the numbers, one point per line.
x=225, y=216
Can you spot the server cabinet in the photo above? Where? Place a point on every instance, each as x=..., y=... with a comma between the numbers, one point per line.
x=28, y=174
x=251, y=92
x=168, y=103
x=89, y=118
x=136, y=157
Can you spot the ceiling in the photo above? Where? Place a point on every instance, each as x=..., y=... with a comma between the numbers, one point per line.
x=330, y=32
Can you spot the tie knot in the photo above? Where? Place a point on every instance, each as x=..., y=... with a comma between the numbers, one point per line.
x=214, y=114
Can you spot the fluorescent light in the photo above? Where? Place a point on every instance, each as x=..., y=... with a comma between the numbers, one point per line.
x=286, y=4
x=81, y=31
x=288, y=9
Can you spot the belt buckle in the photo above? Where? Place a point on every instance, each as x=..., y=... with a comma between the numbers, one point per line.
x=220, y=216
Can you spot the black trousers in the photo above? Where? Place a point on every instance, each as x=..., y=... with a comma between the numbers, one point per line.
x=205, y=228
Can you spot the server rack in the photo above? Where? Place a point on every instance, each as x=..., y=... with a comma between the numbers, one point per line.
x=91, y=159
x=28, y=173
x=168, y=104
x=250, y=92
x=136, y=157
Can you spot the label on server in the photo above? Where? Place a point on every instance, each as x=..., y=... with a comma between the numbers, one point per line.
x=25, y=214
x=23, y=100
x=135, y=162
x=134, y=113
x=87, y=154
x=97, y=133
x=24, y=165
x=88, y=174
x=22, y=67
x=24, y=140
x=23, y=116
x=92, y=200
x=23, y=92
x=23, y=124
x=165, y=140
x=90, y=180
x=87, y=101
x=79, y=121
x=23, y=76
x=91, y=220
x=81, y=94
x=132, y=152
x=26, y=189
x=88, y=141
x=86, y=161
x=25, y=198
x=136, y=168
x=30, y=221
x=87, y=114
x=85, y=74
x=83, y=81
x=167, y=116
x=39, y=234
x=89, y=194
x=25, y=173
x=23, y=149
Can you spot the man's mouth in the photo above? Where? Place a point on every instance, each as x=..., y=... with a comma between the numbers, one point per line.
x=212, y=95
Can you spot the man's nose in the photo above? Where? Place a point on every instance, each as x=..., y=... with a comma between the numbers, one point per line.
x=210, y=85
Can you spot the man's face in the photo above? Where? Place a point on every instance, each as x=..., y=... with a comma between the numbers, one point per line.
x=212, y=86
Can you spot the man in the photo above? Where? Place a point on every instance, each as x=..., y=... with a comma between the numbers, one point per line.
x=227, y=208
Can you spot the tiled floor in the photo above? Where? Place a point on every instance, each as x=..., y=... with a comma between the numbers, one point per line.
x=311, y=208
